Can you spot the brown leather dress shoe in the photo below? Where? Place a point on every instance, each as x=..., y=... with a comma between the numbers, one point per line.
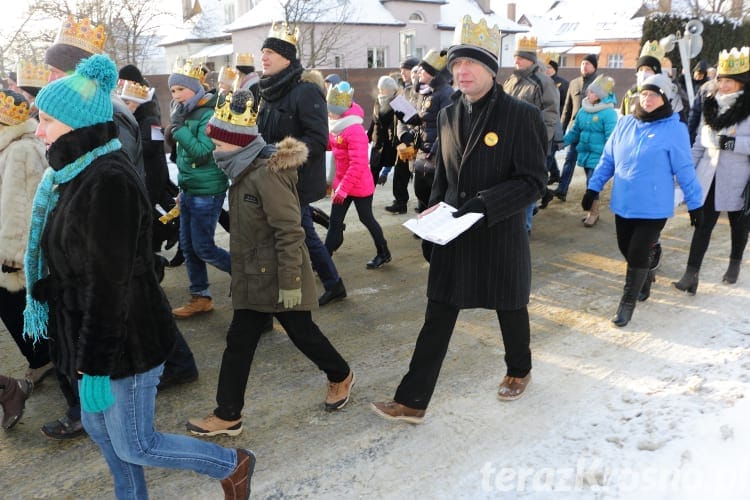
x=512, y=388
x=237, y=485
x=391, y=410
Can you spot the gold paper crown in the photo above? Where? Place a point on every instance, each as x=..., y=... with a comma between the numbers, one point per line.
x=734, y=62
x=604, y=82
x=10, y=112
x=244, y=59
x=188, y=69
x=134, y=91
x=32, y=75
x=228, y=75
x=434, y=59
x=548, y=57
x=654, y=49
x=338, y=97
x=527, y=44
x=283, y=32
x=224, y=112
x=82, y=35
x=479, y=34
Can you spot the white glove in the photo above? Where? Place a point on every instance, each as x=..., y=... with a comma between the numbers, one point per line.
x=290, y=298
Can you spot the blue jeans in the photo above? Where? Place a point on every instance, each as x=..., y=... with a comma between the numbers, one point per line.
x=569, y=167
x=125, y=434
x=320, y=258
x=198, y=218
x=530, y=216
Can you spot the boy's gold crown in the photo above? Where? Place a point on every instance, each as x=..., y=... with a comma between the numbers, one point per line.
x=338, y=96
x=282, y=31
x=527, y=44
x=654, y=49
x=32, y=75
x=549, y=57
x=134, y=89
x=82, y=34
x=187, y=68
x=479, y=34
x=734, y=62
x=244, y=59
x=436, y=59
x=223, y=112
x=10, y=112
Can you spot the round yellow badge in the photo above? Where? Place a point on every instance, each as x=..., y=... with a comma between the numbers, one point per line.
x=596, y=119
x=491, y=139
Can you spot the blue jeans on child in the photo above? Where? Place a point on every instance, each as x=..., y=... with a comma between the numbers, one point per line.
x=199, y=216
x=125, y=434
x=320, y=258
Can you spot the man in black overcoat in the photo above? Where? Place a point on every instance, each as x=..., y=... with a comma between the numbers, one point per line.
x=491, y=160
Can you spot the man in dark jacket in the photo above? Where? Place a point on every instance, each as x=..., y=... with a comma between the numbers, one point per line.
x=497, y=143
x=293, y=107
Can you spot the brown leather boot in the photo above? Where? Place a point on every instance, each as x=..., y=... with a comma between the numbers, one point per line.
x=198, y=304
x=237, y=485
x=13, y=396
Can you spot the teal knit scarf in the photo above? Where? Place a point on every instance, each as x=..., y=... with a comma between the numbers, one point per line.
x=36, y=314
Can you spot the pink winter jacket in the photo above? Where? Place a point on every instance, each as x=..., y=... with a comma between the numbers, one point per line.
x=348, y=143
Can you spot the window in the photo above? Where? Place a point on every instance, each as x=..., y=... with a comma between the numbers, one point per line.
x=229, y=13
x=615, y=61
x=416, y=17
x=376, y=57
x=407, y=43
x=338, y=62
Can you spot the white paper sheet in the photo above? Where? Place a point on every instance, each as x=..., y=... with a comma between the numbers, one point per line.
x=439, y=226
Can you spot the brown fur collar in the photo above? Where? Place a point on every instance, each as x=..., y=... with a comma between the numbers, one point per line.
x=290, y=153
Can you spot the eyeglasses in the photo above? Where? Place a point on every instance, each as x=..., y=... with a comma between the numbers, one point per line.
x=648, y=94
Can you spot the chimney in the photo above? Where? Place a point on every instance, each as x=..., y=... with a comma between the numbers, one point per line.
x=512, y=12
x=485, y=6
x=736, y=9
x=665, y=6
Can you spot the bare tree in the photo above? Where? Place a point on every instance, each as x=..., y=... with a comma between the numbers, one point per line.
x=322, y=28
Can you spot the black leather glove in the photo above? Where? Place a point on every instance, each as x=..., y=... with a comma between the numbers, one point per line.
x=10, y=269
x=399, y=115
x=475, y=205
x=588, y=199
x=414, y=120
x=726, y=142
x=176, y=116
x=696, y=217
x=406, y=138
x=43, y=290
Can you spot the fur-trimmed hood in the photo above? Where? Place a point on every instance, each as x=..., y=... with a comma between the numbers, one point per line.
x=290, y=153
x=316, y=77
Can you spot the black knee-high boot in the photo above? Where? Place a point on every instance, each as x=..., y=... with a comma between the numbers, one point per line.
x=634, y=280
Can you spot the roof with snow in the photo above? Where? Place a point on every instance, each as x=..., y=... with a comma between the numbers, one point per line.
x=454, y=10
x=205, y=26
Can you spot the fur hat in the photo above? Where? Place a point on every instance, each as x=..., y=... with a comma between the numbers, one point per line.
x=602, y=86
x=238, y=125
x=658, y=83
x=649, y=62
x=83, y=98
x=593, y=59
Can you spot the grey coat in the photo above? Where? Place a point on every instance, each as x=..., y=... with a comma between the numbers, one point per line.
x=503, y=161
x=267, y=242
x=731, y=168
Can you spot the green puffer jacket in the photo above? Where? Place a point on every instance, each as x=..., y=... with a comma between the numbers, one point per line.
x=198, y=174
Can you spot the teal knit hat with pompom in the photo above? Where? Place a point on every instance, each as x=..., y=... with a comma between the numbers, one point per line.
x=83, y=98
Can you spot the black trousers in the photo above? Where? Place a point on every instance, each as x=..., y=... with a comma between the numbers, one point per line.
x=702, y=235
x=335, y=235
x=242, y=340
x=423, y=188
x=12, y=305
x=401, y=177
x=635, y=238
x=417, y=386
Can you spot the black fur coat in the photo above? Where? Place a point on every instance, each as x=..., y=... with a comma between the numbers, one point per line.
x=108, y=315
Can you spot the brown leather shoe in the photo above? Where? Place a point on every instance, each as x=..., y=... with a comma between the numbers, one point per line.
x=339, y=393
x=391, y=410
x=13, y=396
x=513, y=387
x=237, y=485
x=198, y=304
x=211, y=425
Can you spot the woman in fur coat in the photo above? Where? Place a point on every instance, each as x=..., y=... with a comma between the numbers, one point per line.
x=22, y=163
x=111, y=327
x=272, y=275
x=722, y=160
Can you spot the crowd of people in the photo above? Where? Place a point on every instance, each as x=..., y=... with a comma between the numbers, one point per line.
x=87, y=208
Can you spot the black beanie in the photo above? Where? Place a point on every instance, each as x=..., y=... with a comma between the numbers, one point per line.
x=409, y=63
x=478, y=54
x=554, y=65
x=650, y=62
x=593, y=59
x=281, y=47
x=133, y=74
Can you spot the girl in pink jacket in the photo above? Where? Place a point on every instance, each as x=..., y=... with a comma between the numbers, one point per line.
x=353, y=181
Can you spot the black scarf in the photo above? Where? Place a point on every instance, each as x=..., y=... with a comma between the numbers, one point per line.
x=735, y=114
x=274, y=87
x=664, y=111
